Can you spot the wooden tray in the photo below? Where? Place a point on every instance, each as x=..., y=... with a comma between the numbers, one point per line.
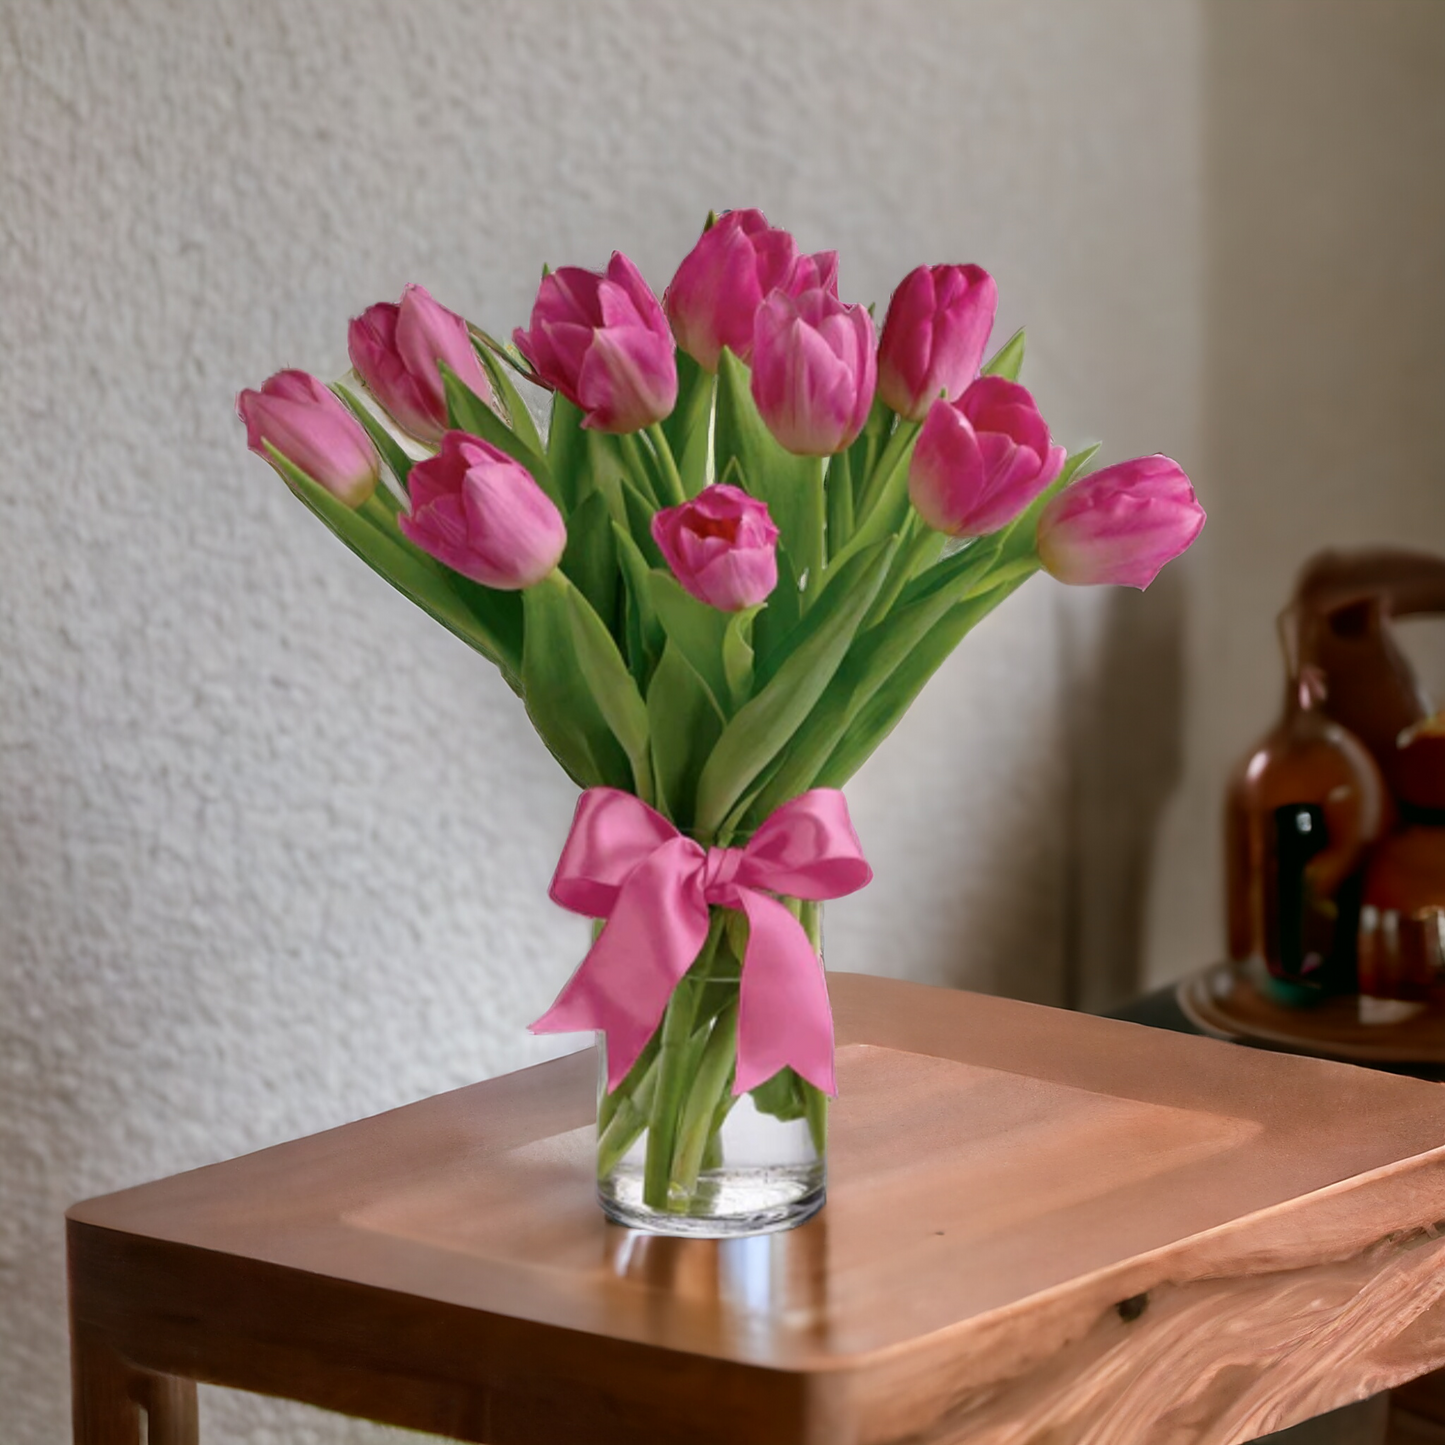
x=1224, y=1002
x=1040, y=1226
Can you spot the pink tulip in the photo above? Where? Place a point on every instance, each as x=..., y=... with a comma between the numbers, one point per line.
x=722, y=281
x=298, y=416
x=1120, y=525
x=602, y=341
x=722, y=546
x=934, y=336
x=483, y=515
x=396, y=351
x=814, y=370
x=818, y=272
x=980, y=460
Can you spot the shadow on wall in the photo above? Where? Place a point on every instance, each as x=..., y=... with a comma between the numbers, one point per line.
x=1126, y=759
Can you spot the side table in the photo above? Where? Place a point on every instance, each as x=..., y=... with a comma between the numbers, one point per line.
x=1416, y=1412
x=1041, y=1226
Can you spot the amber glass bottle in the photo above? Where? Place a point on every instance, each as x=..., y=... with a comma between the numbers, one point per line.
x=1303, y=809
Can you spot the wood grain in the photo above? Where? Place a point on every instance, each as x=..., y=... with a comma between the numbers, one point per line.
x=1041, y=1227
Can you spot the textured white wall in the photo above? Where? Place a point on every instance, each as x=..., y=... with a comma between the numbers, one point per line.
x=273, y=848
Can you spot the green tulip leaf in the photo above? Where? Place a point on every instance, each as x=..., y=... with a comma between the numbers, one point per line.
x=590, y=560
x=643, y=630
x=687, y=427
x=485, y=619
x=961, y=568
x=504, y=351
x=1009, y=359
x=557, y=695
x=775, y=623
x=612, y=688
x=737, y=657
x=881, y=505
x=762, y=728
x=638, y=514
x=872, y=660
x=467, y=412
x=518, y=413
x=781, y=1096
x=881, y=713
x=863, y=455
x=683, y=723
x=697, y=630
x=568, y=456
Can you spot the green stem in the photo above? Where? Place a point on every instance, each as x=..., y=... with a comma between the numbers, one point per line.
x=814, y=524
x=720, y=1117
x=714, y=1070
x=628, y=1121
x=609, y=1103
x=839, y=487
x=667, y=465
x=920, y=546
x=638, y=463
x=815, y=1106
x=889, y=460
x=673, y=1072
x=884, y=498
x=381, y=508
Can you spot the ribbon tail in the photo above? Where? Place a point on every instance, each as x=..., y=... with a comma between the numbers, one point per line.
x=657, y=928
x=784, y=1019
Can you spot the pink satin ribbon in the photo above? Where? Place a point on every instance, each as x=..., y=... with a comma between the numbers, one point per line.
x=626, y=863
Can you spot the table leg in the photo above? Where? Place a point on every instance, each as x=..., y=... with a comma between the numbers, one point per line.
x=170, y=1405
x=107, y=1397
x=104, y=1410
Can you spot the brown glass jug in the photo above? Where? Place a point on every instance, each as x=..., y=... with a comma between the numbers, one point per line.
x=1308, y=805
x=1347, y=600
x=1303, y=809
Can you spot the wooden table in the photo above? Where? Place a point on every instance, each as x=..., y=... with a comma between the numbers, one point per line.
x=1041, y=1227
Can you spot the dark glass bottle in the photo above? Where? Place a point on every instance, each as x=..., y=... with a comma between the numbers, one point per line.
x=1303, y=809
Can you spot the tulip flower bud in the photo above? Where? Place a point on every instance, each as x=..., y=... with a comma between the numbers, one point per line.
x=301, y=418
x=396, y=351
x=1120, y=525
x=979, y=461
x=814, y=370
x=602, y=341
x=722, y=546
x=482, y=514
x=934, y=336
x=818, y=272
x=722, y=281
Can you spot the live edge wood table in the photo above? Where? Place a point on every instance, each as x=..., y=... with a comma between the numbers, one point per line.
x=1042, y=1228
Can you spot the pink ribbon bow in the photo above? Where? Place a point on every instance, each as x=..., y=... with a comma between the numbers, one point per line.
x=626, y=863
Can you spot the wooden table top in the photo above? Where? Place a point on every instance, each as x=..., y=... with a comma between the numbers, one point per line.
x=1033, y=1216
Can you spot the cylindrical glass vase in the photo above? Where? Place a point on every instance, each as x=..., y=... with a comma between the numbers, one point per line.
x=677, y=1151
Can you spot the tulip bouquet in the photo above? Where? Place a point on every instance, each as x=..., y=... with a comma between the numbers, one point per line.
x=751, y=532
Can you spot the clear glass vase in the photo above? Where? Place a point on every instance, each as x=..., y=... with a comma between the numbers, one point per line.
x=677, y=1151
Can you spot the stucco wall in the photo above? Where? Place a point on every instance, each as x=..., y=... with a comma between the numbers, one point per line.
x=273, y=849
